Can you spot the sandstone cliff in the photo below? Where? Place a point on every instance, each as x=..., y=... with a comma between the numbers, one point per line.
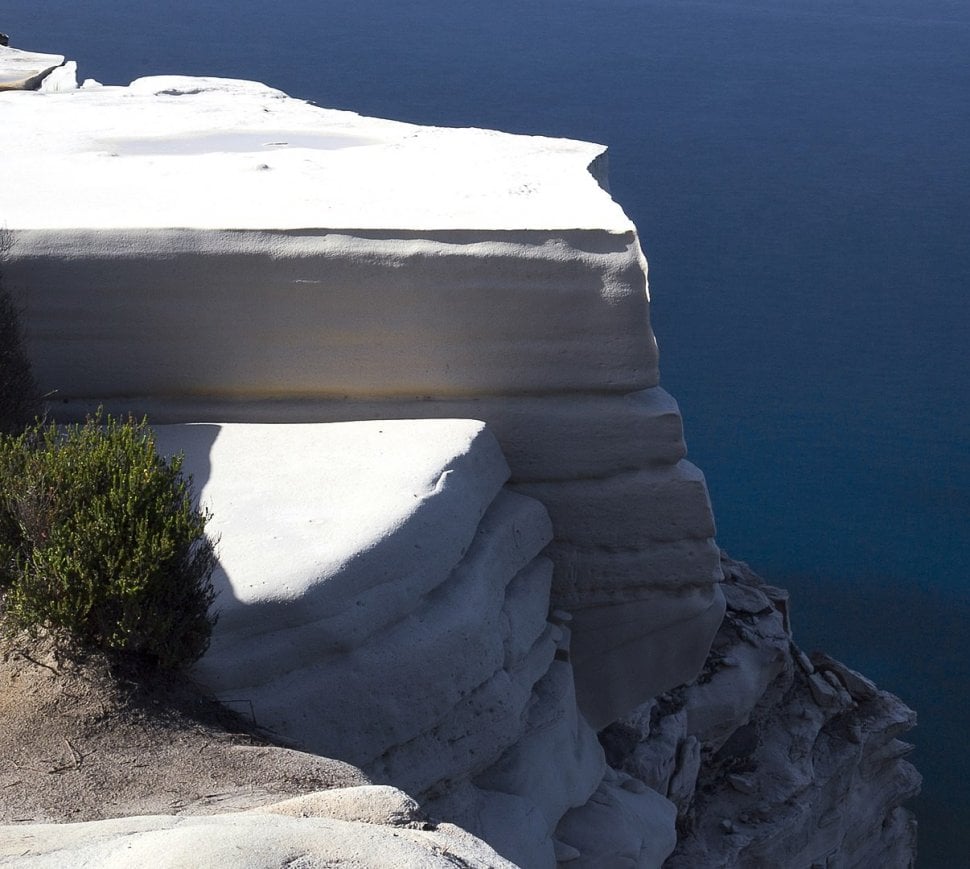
x=455, y=606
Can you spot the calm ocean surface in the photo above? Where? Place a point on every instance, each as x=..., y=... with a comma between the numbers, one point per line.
x=800, y=174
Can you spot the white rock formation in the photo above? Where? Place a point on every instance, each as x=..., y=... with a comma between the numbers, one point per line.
x=358, y=268
x=366, y=827
x=211, y=250
x=383, y=599
x=369, y=577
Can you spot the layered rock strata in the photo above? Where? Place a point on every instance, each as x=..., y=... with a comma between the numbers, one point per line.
x=772, y=757
x=266, y=265
x=339, y=267
x=383, y=599
x=375, y=553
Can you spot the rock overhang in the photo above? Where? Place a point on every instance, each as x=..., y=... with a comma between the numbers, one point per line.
x=592, y=437
x=210, y=153
x=191, y=226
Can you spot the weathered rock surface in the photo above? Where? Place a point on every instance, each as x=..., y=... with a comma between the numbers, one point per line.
x=367, y=590
x=355, y=268
x=359, y=827
x=771, y=757
x=386, y=596
x=383, y=600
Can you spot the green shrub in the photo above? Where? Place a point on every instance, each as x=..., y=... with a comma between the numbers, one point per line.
x=100, y=538
x=20, y=403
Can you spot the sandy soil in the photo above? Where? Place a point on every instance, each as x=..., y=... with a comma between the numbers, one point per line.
x=83, y=738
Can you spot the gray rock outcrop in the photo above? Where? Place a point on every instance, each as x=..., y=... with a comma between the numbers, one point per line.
x=772, y=757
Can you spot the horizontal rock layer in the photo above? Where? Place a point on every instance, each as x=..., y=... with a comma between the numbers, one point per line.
x=565, y=436
x=209, y=153
x=317, y=313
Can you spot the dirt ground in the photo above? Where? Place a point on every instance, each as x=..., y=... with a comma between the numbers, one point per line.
x=82, y=738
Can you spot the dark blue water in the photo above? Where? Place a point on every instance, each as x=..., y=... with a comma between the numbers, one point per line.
x=800, y=175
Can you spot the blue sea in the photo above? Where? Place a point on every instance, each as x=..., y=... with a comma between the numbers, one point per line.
x=799, y=171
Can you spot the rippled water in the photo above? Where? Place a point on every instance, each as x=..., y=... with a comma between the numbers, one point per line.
x=799, y=172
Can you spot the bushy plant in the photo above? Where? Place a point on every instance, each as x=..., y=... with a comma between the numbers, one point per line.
x=100, y=538
x=20, y=403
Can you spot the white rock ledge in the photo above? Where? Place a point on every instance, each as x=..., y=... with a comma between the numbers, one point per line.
x=209, y=153
x=367, y=274
x=253, y=840
x=327, y=314
x=265, y=265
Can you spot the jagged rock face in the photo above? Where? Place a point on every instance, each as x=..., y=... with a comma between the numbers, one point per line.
x=771, y=757
x=340, y=267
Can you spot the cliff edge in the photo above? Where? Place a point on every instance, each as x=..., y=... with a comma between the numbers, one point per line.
x=413, y=373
